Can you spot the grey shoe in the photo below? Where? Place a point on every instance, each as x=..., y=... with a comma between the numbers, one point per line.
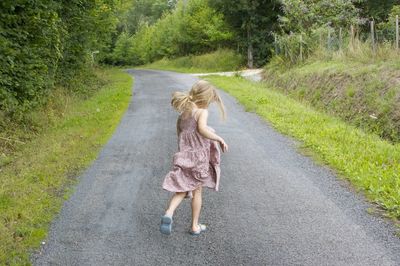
x=166, y=225
x=202, y=228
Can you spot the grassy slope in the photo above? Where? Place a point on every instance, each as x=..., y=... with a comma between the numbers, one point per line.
x=221, y=60
x=370, y=163
x=38, y=177
x=363, y=93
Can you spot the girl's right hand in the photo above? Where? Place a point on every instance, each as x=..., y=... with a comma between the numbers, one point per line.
x=223, y=145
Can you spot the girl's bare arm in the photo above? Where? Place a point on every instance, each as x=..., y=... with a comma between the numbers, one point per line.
x=178, y=130
x=206, y=132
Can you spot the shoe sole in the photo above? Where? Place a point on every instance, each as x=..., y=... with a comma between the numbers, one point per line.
x=166, y=225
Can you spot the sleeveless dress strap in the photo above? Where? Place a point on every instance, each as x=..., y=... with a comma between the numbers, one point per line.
x=195, y=114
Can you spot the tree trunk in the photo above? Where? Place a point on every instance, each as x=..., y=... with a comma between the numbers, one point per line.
x=250, y=63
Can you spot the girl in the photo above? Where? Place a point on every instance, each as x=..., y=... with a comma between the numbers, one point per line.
x=196, y=164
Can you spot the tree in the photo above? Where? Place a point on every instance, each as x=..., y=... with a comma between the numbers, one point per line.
x=145, y=11
x=87, y=27
x=29, y=52
x=253, y=22
x=303, y=16
x=304, y=22
x=192, y=27
x=43, y=42
x=376, y=10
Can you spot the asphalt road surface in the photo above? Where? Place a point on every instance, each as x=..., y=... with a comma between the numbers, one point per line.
x=275, y=206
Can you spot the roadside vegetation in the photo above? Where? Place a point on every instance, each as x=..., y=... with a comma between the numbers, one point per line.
x=365, y=92
x=220, y=60
x=150, y=30
x=370, y=163
x=37, y=173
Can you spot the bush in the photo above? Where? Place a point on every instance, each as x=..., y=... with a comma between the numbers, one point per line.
x=192, y=29
x=29, y=49
x=48, y=42
x=220, y=60
x=388, y=29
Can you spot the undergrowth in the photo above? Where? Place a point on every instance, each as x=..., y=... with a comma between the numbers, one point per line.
x=220, y=60
x=361, y=89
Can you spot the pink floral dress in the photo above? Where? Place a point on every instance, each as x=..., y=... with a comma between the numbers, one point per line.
x=197, y=162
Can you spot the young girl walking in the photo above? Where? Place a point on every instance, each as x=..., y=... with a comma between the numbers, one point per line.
x=196, y=164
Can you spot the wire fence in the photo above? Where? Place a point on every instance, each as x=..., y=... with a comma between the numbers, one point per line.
x=297, y=47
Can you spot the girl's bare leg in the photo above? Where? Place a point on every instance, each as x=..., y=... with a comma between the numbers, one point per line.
x=174, y=203
x=196, y=207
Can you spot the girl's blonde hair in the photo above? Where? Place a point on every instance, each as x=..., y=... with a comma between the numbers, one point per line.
x=201, y=95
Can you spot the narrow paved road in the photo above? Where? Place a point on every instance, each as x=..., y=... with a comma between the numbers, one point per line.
x=275, y=206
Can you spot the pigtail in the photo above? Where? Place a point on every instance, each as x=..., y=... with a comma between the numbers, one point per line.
x=201, y=95
x=220, y=104
x=181, y=101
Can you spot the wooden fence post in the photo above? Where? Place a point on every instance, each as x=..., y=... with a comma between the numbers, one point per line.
x=373, y=35
x=329, y=39
x=352, y=37
x=301, y=47
x=340, y=39
x=320, y=40
x=397, y=32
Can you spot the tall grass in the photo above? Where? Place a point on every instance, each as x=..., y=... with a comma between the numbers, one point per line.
x=327, y=43
x=362, y=91
x=220, y=60
x=349, y=78
x=359, y=51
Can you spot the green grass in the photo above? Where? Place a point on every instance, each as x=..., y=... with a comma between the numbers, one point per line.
x=370, y=163
x=365, y=94
x=220, y=60
x=38, y=175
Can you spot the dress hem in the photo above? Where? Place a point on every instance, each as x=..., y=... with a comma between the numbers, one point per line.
x=202, y=185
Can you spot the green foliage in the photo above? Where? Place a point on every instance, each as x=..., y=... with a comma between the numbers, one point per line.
x=305, y=26
x=144, y=12
x=388, y=27
x=87, y=26
x=220, y=60
x=48, y=42
x=370, y=163
x=376, y=10
x=253, y=21
x=29, y=50
x=191, y=28
x=303, y=16
x=122, y=51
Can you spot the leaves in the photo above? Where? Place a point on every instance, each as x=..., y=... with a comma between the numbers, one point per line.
x=191, y=28
x=47, y=42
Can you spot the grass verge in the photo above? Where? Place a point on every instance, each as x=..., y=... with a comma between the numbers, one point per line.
x=364, y=94
x=370, y=163
x=220, y=60
x=37, y=177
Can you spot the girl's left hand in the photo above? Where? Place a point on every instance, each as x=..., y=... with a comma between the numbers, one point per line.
x=223, y=145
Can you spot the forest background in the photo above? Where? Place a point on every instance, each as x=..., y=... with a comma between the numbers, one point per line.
x=47, y=44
